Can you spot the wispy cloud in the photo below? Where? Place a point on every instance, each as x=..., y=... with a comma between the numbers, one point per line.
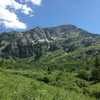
x=8, y=16
x=37, y=2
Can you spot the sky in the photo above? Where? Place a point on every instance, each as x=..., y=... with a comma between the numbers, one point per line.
x=26, y=14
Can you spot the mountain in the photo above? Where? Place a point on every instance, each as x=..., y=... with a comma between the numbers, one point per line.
x=57, y=63
x=41, y=40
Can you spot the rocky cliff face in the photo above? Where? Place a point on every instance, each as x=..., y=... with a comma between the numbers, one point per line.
x=26, y=44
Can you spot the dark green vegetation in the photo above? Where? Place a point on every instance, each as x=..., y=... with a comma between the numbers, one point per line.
x=64, y=67
x=55, y=76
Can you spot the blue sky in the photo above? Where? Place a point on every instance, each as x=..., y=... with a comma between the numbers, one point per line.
x=82, y=13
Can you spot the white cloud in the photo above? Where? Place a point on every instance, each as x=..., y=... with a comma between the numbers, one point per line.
x=26, y=10
x=8, y=15
x=10, y=20
x=37, y=2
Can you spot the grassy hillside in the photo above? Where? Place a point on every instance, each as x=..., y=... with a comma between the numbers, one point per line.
x=33, y=86
x=55, y=76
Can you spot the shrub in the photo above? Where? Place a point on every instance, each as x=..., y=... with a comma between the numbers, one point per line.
x=86, y=75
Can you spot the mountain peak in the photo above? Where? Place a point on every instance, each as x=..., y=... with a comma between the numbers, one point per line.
x=66, y=37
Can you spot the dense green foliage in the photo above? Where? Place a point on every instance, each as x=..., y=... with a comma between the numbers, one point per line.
x=54, y=76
